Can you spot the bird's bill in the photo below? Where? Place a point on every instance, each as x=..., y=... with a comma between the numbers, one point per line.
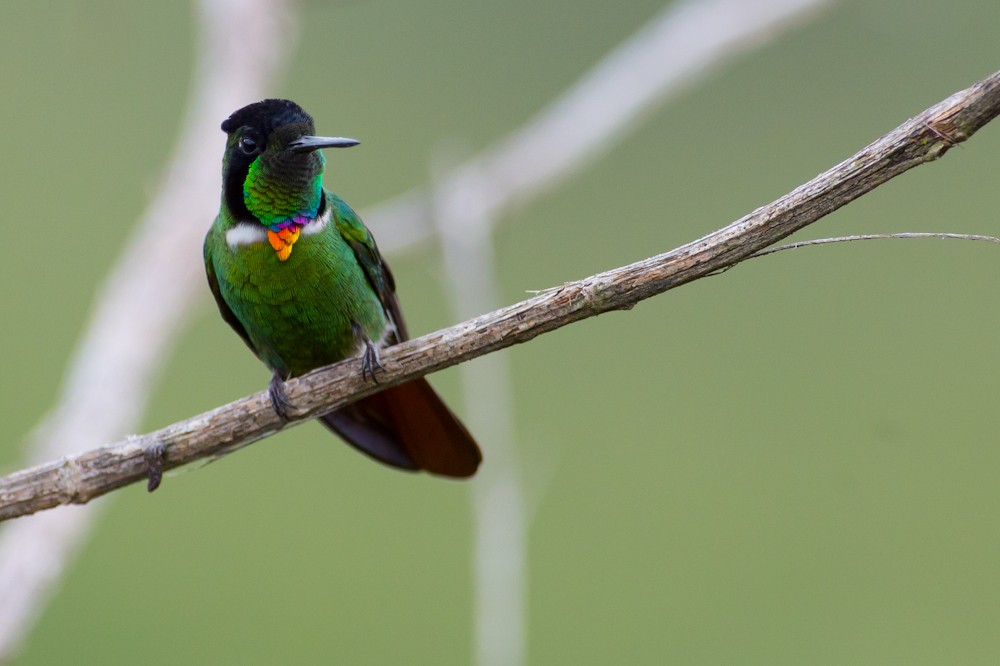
x=305, y=144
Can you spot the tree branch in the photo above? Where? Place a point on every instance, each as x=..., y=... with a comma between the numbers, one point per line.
x=82, y=477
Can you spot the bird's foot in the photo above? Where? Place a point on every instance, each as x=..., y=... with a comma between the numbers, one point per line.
x=279, y=399
x=370, y=361
x=155, y=455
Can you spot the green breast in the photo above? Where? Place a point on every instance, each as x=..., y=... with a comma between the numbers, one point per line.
x=297, y=313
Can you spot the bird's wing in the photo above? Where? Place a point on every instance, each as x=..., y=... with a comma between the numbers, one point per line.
x=227, y=314
x=366, y=252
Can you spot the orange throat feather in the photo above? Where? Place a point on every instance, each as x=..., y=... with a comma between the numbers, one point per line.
x=283, y=240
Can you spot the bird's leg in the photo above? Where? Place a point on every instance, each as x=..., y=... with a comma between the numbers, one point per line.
x=279, y=399
x=155, y=455
x=370, y=361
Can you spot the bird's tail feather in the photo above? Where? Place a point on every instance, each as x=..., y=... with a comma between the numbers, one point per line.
x=409, y=427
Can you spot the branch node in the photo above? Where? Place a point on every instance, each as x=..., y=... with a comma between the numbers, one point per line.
x=155, y=455
x=592, y=295
x=68, y=481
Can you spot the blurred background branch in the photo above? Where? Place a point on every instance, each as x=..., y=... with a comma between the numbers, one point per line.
x=677, y=48
x=145, y=299
x=682, y=44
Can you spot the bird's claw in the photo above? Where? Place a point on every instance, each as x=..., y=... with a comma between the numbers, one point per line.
x=370, y=361
x=279, y=399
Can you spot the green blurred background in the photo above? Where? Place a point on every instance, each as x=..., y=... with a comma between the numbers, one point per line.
x=792, y=463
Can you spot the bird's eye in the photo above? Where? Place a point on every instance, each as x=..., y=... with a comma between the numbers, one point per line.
x=248, y=145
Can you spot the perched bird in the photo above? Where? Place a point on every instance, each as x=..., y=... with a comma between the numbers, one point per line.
x=299, y=277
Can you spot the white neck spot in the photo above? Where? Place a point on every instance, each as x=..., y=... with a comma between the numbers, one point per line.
x=319, y=224
x=243, y=233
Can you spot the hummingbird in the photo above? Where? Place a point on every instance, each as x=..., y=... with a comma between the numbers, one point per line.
x=299, y=277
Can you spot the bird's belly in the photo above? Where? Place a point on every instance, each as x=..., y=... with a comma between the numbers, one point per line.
x=299, y=313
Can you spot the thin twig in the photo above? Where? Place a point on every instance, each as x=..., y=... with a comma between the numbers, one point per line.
x=82, y=477
x=864, y=237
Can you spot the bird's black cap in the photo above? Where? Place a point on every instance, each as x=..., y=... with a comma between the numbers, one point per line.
x=267, y=115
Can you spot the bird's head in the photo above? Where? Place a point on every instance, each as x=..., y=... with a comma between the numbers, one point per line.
x=272, y=169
